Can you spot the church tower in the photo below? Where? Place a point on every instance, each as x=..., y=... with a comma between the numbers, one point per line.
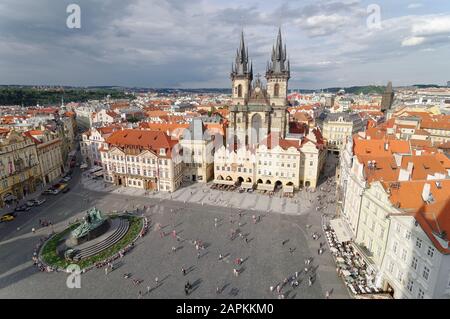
x=278, y=74
x=241, y=75
x=387, y=98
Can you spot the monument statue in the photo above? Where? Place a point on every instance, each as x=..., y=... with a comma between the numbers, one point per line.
x=92, y=220
x=93, y=224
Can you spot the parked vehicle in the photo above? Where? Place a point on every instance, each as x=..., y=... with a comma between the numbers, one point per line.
x=30, y=203
x=39, y=202
x=7, y=218
x=22, y=208
x=66, y=189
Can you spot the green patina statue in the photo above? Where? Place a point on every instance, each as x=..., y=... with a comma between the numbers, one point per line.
x=91, y=221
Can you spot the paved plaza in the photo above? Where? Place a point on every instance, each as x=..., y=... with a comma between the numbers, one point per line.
x=277, y=246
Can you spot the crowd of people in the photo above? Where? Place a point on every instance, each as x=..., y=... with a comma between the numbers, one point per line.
x=35, y=258
x=358, y=277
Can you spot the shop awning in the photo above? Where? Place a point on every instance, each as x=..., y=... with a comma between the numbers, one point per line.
x=288, y=189
x=266, y=187
x=247, y=185
x=223, y=182
x=9, y=197
x=343, y=234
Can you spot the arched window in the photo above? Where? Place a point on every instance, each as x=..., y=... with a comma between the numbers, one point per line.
x=240, y=90
x=276, y=90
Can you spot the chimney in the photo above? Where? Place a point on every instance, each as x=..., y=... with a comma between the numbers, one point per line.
x=398, y=159
x=410, y=168
x=426, y=192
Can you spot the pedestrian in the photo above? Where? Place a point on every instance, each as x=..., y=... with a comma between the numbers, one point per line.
x=106, y=270
x=156, y=280
x=296, y=274
x=309, y=281
x=183, y=271
x=271, y=288
x=217, y=290
x=33, y=230
x=220, y=256
x=148, y=289
x=198, y=255
x=327, y=294
x=174, y=249
x=140, y=295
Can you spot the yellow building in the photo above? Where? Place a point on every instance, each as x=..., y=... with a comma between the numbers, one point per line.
x=19, y=166
x=49, y=152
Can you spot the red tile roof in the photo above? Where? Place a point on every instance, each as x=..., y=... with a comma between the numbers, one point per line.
x=433, y=217
x=142, y=139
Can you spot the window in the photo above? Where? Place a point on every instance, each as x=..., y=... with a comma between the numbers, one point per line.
x=394, y=247
x=414, y=263
x=430, y=251
x=391, y=266
x=400, y=275
x=276, y=90
x=397, y=228
x=426, y=272
x=404, y=254
x=408, y=234
x=410, y=285
x=419, y=243
x=420, y=294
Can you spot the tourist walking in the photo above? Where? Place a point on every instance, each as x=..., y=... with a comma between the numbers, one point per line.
x=183, y=271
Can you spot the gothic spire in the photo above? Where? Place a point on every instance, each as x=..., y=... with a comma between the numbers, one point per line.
x=241, y=65
x=279, y=64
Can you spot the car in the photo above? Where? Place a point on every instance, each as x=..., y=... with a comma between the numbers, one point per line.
x=7, y=218
x=66, y=189
x=30, y=203
x=39, y=201
x=22, y=208
x=66, y=178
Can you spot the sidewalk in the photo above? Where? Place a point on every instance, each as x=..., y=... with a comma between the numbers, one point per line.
x=200, y=193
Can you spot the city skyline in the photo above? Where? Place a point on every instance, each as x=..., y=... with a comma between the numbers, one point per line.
x=167, y=44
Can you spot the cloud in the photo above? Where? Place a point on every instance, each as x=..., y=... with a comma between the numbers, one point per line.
x=415, y=5
x=161, y=43
x=412, y=41
x=434, y=26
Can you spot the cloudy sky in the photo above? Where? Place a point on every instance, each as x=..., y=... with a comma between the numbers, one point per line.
x=191, y=43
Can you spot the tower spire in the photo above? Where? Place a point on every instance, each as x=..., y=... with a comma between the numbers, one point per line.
x=241, y=66
x=278, y=64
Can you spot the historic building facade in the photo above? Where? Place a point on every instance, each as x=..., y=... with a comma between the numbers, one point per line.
x=258, y=110
x=19, y=166
x=198, y=153
x=259, y=150
x=142, y=159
